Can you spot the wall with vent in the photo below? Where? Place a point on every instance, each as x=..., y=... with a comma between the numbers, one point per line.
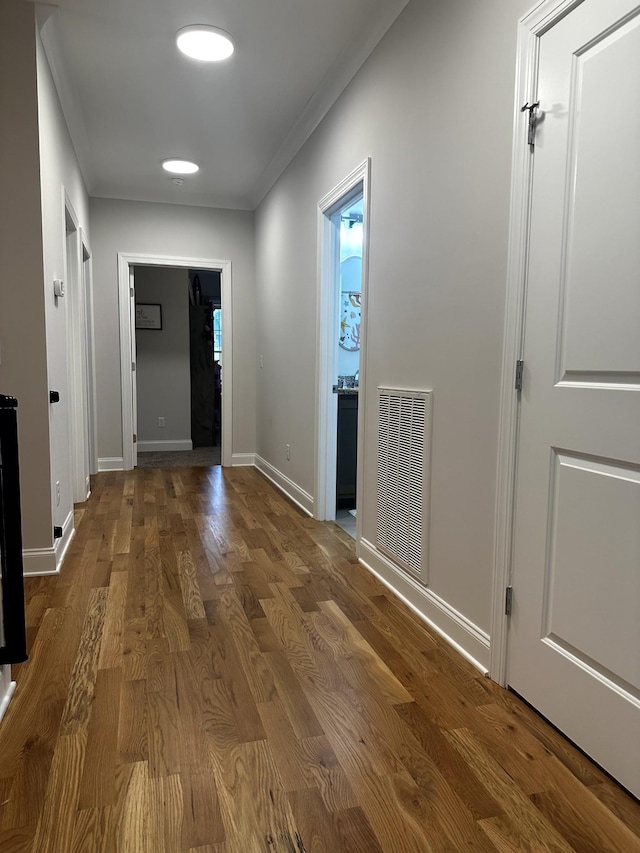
x=433, y=108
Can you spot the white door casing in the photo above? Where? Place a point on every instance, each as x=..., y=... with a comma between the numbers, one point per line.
x=75, y=306
x=89, y=329
x=134, y=366
x=126, y=262
x=574, y=636
x=327, y=336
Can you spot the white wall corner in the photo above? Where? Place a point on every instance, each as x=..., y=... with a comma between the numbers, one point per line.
x=300, y=498
x=111, y=463
x=466, y=638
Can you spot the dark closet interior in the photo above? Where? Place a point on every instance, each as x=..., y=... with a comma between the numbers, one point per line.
x=205, y=356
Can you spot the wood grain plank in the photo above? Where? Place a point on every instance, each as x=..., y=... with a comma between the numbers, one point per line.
x=114, y=623
x=55, y=829
x=98, y=778
x=133, y=741
x=519, y=813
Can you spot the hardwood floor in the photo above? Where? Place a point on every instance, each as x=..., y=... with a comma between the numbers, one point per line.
x=213, y=672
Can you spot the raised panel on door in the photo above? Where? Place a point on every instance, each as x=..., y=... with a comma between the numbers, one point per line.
x=574, y=641
x=599, y=336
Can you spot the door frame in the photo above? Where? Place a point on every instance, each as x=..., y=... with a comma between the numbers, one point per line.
x=327, y=335
x=86, y=274
x=78, y=364
x=126, y=260
x=530, y=29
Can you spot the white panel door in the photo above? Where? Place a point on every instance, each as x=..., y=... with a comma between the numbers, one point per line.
x=134, y=382
x=574, y=641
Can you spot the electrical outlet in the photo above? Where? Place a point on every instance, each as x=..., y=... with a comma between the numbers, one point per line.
x=288, y=451
x=57, y=492
x=261, y=362
x=160, y=422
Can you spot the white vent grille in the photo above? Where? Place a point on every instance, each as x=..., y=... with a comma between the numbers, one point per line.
x=404, y=440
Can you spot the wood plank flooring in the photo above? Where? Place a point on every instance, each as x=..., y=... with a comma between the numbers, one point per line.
x=213, y=672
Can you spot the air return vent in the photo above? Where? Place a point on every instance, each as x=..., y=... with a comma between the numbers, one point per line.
x=404, y=441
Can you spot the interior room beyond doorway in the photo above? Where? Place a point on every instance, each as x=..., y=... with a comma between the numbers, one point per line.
x=349, y=222
x=178, y=366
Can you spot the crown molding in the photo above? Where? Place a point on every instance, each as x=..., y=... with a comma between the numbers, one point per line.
x=332, y=86
x=51, y=38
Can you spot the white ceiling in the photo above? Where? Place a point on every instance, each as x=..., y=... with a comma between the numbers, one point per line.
x=131, y=99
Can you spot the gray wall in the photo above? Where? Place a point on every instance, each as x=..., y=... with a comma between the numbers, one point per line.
x=171, y=230
x=163, y=363
x=433, y=108
x=59, y=171
x=23, y=369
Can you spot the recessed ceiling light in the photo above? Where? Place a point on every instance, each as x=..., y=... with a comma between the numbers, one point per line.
x=206, y=43
x=180, y=167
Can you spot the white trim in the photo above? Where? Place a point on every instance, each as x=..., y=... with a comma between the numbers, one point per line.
x=48, y=561
x=299, y=497
x=4, y=701
x=50, y=36
x=165, y=446
x=127, y=260
x=61, y=546
x=91, y=396
x=39, y=561
x=75, y=313
x=111, y=463
x=466, y=638
x=530, y=28
x=327, y=93
x=326, y=335
x=243, y=459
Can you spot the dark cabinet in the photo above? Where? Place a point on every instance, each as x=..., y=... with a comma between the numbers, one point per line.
x=347, y=450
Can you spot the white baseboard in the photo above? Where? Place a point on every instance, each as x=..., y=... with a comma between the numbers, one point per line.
x=300, y=498
x=61, y=546
x=47, y=561
x=39, y=561
x=164, y=446
x=243, y=459
x=466, y=638
x=111, y=463
x=7, y=689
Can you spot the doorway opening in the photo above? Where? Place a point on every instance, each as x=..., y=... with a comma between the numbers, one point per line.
x=343, y=224
x=349, y=222
x=177, y=371
x=205, y=339
x=146, y=429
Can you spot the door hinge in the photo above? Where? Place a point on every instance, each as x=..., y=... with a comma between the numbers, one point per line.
x=531, y=134
x=131, y=292
x=508, y=601
x=135, y=438
x=133, y=367
x=519, y=374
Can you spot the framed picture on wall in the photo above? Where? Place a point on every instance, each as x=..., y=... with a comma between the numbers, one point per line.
x=148, y=316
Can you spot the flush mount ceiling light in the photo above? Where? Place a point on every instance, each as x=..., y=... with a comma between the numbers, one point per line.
x=209, y=44
x=180, y=167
